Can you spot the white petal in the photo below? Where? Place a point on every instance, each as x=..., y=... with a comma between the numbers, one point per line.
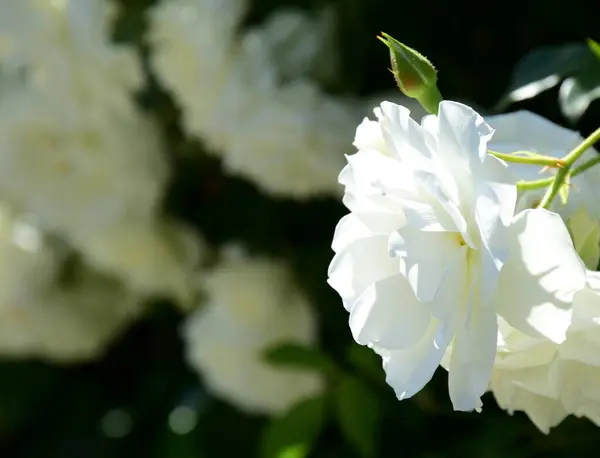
x=408, y=371
x=428, y=216
x=586, y=310
x=593, y=280
x=495, y=173
x=349, y=229
x=403, y=136
x=493, y=204
x=526, y=352
x=463, y=137
x=472, y=360
x=542, y=273
x=537, y=380
x=452, y=293
x=591, y=411
x=363, y=262
x=369, y=136
x=545, y=413
x=367, y=168
x=444, y=207
x=583, y=336
x=429, y=124
x=578, y=348
x=365, y=178
x=502, y=389
x=389, y=315
x=427, y=256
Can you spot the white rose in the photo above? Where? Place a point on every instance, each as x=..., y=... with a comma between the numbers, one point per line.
x=244, y=98
x=42, y=316
x=420, y=260
x=251, y=305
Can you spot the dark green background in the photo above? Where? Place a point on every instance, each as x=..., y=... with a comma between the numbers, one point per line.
x=47, y=411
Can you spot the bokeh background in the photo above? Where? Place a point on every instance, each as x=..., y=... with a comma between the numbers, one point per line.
x=141, y=398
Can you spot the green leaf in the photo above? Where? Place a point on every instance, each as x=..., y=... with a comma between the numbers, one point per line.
x=366, y=361
x=578, y=91
x=543, y=69
x=294, y=451
x=291, y=354
x=25, y=387
x=293, y=434
x=358, y=414
x=594, y=47
x=171, y=445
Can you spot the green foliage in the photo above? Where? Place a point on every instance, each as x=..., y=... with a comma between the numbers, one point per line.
x=594, y=47
x=366, y=362
x=575, y=67
x=358, y=415
x=293, y=434
x=543, y=69
x=310, y=359
x=578, y=91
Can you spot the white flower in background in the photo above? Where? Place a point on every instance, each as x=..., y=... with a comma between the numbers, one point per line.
x=526, y=131
x=548, y=381
x=251, y=305
x=68, y=324
x=248, y=99
x=28, y=264
x=73, y=173
x=299, y=45
x=65, y=48
x=287, y=143
x=75, y=150
x=193, y=43
x=87, y=161
x=159, y=257
x=424, y=259
x=99, y=185
x=39, y=316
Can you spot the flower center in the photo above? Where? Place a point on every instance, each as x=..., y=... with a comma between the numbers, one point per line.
x=460, y=240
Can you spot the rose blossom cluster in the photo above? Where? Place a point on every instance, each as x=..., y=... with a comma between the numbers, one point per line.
x=441, y=261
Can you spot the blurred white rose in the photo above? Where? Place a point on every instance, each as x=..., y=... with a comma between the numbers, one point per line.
x=65, y=48
x=76, y=151
x=158, y=257
x=42, y=317
x=28, y=264
x=97, y=184
x=251, y=304
x=247, y=96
